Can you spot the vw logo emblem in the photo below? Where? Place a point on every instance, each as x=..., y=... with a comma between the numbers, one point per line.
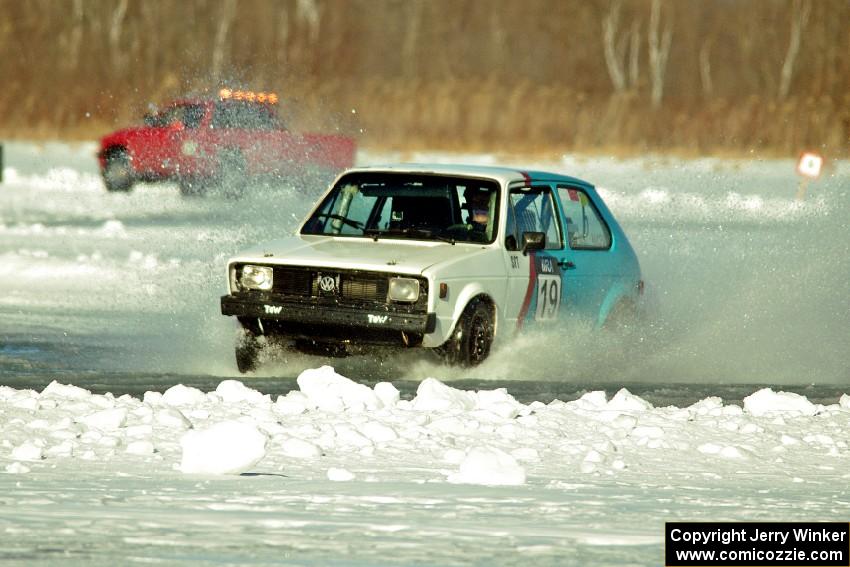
x=327, y=283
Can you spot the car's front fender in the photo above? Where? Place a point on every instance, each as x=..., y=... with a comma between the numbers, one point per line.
x=449, y=313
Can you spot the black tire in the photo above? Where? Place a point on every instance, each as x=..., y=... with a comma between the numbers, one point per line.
x=470, y=342
x=247, y=351
x=313, y=348
x=118, y=172
x=192, y=187
x=232, y=173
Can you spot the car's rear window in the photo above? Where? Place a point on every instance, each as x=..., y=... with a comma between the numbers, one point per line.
x=245, y=115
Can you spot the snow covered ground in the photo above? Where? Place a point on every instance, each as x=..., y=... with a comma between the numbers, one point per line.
x=748, y=285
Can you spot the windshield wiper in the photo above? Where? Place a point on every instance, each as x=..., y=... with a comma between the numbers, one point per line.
x=373, y=232
x=450, y=239
x=411, y=232
x=345, y=220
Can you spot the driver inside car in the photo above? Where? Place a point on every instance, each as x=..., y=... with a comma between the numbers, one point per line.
x=478, y=206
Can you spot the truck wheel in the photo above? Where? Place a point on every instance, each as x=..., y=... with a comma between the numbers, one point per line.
x=247, y=352
x=470, y=342
x=232, y=174
x=118, y=172
x=191, y=187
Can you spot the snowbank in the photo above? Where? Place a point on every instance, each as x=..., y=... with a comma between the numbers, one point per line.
x=342, y=430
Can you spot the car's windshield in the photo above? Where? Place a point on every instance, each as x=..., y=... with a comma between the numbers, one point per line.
x=416, y=206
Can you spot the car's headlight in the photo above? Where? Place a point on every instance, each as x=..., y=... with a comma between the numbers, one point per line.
x=256, y=277
x=404, y=290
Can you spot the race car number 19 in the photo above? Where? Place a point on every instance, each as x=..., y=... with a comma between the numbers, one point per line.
x=548, y=297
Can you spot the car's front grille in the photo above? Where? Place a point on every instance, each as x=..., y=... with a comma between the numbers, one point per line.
x=355, y=287
x=364, y=286
x=293, y=281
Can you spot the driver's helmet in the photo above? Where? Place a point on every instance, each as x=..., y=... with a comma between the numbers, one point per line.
x=477, y=202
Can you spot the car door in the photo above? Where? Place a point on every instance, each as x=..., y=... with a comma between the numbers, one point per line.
x=585, y=257
x=155, y=143
x=167, y=148
x=534, y=278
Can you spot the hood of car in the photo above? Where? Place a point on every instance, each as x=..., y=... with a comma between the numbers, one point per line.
x=400, y=256
x=122, y=134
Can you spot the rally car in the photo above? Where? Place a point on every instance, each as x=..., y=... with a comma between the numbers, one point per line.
x=449, y=258
x=217, y=142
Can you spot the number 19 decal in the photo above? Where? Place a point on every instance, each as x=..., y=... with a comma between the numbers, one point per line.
x=548, y=297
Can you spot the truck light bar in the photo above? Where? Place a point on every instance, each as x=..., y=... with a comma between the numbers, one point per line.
x=250, y=96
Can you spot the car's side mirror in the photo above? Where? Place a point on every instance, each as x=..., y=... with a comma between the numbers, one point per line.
x=532, y=241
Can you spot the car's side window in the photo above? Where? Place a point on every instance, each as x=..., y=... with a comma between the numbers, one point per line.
x=532, y=210
x=586, y=230
x=170, y=116
x=193, y=115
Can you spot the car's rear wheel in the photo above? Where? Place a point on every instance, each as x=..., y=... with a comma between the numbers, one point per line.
x=623, y=318
x=118, y=172
x=470, y=342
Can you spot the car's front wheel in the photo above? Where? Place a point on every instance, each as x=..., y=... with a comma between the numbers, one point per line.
x=118, y=172
x=247, y=351
x=470, y=342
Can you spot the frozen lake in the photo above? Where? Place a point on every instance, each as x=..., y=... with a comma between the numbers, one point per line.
x=119, y=293
x=747, y=282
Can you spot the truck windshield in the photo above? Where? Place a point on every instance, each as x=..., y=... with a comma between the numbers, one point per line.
x=409, y=206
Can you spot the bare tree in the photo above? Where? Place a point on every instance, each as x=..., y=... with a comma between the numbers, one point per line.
x=308, y=11
x=659, y=50
x=75, y=38
x=799, y=17
x=498, y=37
x=621, y=52
x=705, y=68
x=283, y=35
x=634, y=54
x=116, y=25
x=228, y=13
x=613, y=47
x=411, y=38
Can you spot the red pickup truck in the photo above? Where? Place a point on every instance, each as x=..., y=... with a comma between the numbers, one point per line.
x=217, y=142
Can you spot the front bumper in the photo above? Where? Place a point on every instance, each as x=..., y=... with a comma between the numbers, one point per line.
x=360, y=318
